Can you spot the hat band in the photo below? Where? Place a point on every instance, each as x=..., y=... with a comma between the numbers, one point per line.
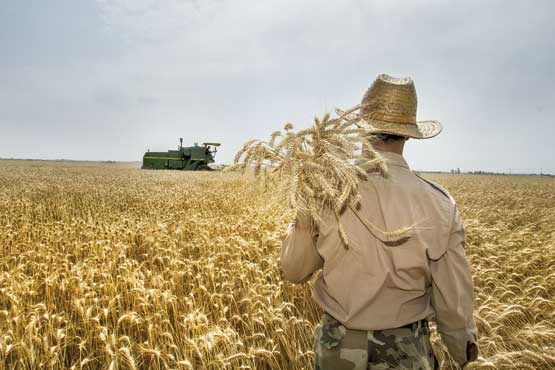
x=392, y=118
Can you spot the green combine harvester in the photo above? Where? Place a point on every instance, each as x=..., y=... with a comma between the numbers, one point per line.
x=191, y=158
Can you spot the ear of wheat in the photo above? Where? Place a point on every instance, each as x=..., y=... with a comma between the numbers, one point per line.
x=315, y=169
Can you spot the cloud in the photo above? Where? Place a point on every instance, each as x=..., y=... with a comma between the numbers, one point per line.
x=153, y=21
x=148, y=100
x=110, y=98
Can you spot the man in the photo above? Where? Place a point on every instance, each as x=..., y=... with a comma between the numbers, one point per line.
x=378, y=294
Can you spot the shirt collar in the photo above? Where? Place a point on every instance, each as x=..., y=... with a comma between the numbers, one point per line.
x=394, y=159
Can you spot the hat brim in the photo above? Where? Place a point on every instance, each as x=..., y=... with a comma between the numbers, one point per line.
x=419, y=130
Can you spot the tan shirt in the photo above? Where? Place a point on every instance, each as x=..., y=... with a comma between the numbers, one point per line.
x=376, y=284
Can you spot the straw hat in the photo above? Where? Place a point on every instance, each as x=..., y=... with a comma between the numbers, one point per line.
x=389, y=106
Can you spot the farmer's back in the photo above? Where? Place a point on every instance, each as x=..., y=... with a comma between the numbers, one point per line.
x=392, y=278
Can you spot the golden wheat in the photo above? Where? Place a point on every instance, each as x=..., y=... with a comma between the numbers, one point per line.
x=317, y=169
x=111, y=267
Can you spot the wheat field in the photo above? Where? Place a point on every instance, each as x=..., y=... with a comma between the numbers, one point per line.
x=105, y=266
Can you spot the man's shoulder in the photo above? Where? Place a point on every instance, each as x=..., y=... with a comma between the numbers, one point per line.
x=437, y=189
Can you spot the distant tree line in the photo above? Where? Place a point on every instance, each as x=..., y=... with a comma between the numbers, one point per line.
x=480, y=172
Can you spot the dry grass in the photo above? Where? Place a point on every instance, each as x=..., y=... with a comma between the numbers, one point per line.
x=107, y=266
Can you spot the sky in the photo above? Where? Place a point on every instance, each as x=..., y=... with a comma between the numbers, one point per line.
x=109, y=79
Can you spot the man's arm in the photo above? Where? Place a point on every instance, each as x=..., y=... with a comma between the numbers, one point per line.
x=453, y=298
x=299, y=257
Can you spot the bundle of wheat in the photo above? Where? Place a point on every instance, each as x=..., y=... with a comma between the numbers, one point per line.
x=315, y=169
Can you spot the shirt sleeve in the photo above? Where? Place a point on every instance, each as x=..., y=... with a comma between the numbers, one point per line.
x=299, y=256
x=453, y=297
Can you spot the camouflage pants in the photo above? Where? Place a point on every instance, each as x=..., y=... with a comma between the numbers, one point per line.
x=339, y=348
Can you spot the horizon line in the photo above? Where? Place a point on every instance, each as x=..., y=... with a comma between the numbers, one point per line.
x=470, y=172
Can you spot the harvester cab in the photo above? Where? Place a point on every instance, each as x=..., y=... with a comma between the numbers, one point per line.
x=211, y=148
